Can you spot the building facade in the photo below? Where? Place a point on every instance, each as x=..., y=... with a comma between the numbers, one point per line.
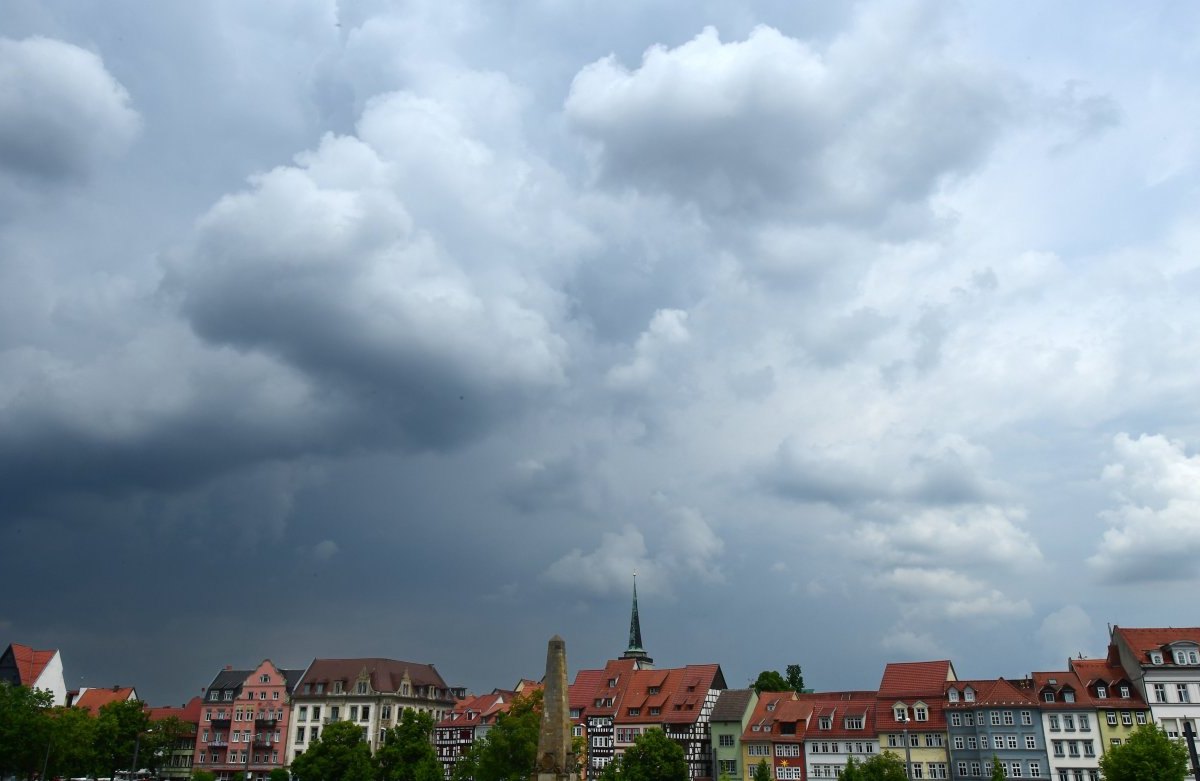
x=730, y=717
x=994, y=720
x=176, y=763
x=21, y=665
x=910, y=715
x=370, y=692
x=244, y=723
x=1119, y=705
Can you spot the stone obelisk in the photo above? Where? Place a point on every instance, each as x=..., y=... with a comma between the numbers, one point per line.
x=555, y=760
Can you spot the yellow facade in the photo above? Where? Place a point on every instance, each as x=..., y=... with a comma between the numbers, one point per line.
x=1126, y=721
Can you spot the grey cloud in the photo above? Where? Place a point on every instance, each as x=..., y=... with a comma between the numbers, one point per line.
x=61, y=111
x=774, y=126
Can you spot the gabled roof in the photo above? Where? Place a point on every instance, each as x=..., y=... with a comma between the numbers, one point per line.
x=906, y=679
x=385, y=675
x=478, y=709
x=30, y=663
x=1142, y=641
x=189, y=712
x=94, y=699
x=1059, y=683
x=1091, y=672
x=731, y=705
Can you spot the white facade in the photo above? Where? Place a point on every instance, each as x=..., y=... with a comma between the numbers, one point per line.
x=1073, y=742
x=52, y=680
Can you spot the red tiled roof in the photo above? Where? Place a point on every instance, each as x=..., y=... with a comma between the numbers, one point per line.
x=1142, y=641
x=189, y=713
x=905, y=679
x=95, y=699
x=1060, y=683
x=385, y=674
x=30, y=663
x=1112, y=676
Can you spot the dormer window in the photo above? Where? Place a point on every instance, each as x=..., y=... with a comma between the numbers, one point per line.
x=1193, y=658
x=771, y=705
x=1156, y=657
x=1047, y=696
x=920, y=712
x=362, y=687
x=969, y=694
x=612, y=683
x=826, y=722
x=1180, y=657
x=854, y=722
x=1068, y=695
x=337, y=687
x=1124, y=692
x=953, y=694
x=900, y=712
x=654, y=690
x=1101, y=691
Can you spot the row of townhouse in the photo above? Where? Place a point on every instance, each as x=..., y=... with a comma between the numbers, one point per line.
x=1046, y=725
x=1054, y=725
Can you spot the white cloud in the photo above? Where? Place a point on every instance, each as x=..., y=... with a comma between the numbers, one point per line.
x=667, y=329
x=944, y=593
x=1154, y=533
x=956, y=537
x=61, y=111
x=1066, y=632
x=325, y=550
x=775, y=125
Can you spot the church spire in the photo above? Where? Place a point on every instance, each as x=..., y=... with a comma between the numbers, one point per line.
x=635, y=650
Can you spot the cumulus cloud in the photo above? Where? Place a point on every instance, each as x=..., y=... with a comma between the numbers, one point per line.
x=939, y=592
x=325, y=550
x=687, y=549
x=61, y=111
x=1153, y=534
x=775, y=125
x=667, y=329
x=960, y=537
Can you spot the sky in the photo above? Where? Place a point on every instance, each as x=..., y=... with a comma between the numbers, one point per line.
x=862, y=332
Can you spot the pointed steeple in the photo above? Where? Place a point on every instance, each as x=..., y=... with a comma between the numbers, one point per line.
x=635, y=650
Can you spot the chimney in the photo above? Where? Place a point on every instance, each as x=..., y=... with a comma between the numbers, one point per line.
x=229, y=667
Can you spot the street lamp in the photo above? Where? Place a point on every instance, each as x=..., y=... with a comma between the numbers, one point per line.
x=907, y=748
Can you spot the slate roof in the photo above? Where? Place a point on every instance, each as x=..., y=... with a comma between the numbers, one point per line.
x=30, y=663
x=94, y=699
x=386, y=675
x=731, y=705
x=1142, y=641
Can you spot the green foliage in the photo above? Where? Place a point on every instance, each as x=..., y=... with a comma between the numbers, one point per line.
x=761, y=771
x=1148, y=755
x=997, y=769
x=339, y=754
x=769, y=681
x=772, y=681
x=881, y=767
x=652, y=757
x=163, y=737
x=203, y=775
x=279, y=774
x=72, y=743
x=117, y=729
x=24, y=729
x=509, y=750
x=407, y=753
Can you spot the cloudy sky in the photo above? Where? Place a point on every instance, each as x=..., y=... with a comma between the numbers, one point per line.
x=862, y=331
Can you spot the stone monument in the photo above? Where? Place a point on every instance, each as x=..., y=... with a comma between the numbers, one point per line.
x=555, y=759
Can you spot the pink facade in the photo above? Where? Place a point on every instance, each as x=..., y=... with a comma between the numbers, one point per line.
x=244, y=720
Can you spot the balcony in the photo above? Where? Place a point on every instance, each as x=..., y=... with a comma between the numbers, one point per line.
x=262, y=741
x=219, y=721
x=267, y=721
x=219, y=744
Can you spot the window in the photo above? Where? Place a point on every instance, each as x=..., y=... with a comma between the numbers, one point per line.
x=1048, y=696
x=1112, y=718
x=1054, y=722
x=1160, y=692
x=1141, y=717
x=1026, y=717
x=353, y=713
x=787, y=750
x=302, y=713
x=1016, y=769
x=918, y=770
x=1058, y=748
x=971, y=742
x=315, y=732
x=262, y=695
x=1088, y=749
x=320, y=688
x=366, y=712
x=1180, y=657
x=725, y=740
x=275, y=695
x=361, y=688
x=1008, y=718
x=1035, y=769
x=920, y=712
x=653, y=690
x=229, y=696
x=914, y=740
x=299, y=734
x=1068, y=722
x=758, y=750
x=1124, y=692
x=334, y=712
x=854, y=722
x=316, y=713
x=1012, y=741
x=899, y=713
x=635, y=711
x=955, y=720
x=958, y=743
x=655, y=711
x=1085, y=723
x=1068, y=696
x=975, y=769
x=1125, y=718
x=1101, y=691
x=1072, y=748
x=728, y=766
x=1181, y=690
x=385, y=712
x=337, y=687
x=1030, y=742
x=264, y=678
x=962, y=769
x=969, y=694
x=969, y=719
x=893, y=741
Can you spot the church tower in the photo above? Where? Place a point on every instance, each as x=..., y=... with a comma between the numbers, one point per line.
x=642, y=660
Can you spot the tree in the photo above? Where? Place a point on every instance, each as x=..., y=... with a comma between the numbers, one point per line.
x=509, y=750
x=24, y=729
x=770, y=681
x=162, y=739
x=203, y=775
x=761, y=771
x=997, y=769
x=653, y=757
x=407, y=753
x=118, y=729
x=1148, y=755
x=795, y=678
x=279, y=774
x=340, y=754
x=72, y=743
x=881, y=767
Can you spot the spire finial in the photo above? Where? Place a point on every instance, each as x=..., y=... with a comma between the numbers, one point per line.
x=635, y=649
